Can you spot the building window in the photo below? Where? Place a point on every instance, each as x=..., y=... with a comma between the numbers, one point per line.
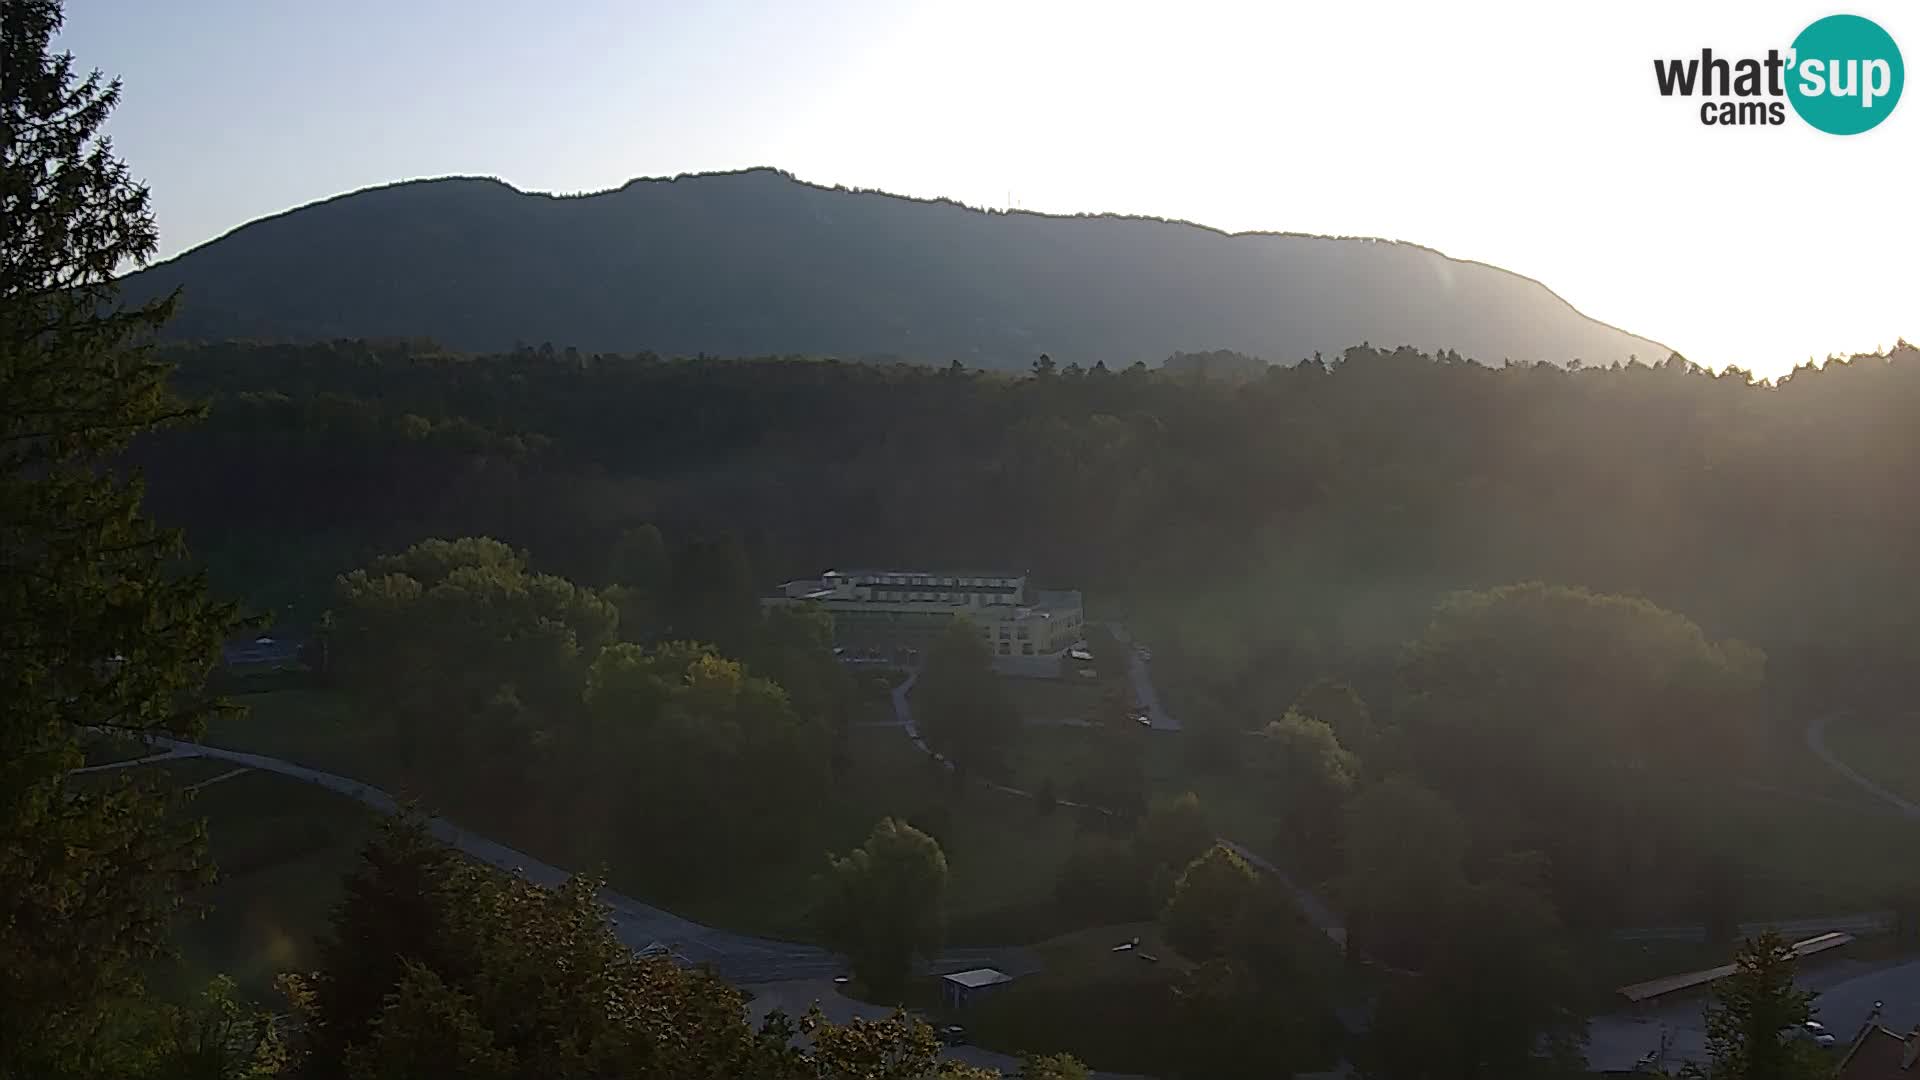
x=1005, y=648
x=1027, y=648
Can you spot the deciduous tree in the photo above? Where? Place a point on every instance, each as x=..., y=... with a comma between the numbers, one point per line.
x=1208, y=900
x=1174, y=832
x=1404, y=847
x=1591, y=728
x=885, y=904
x=1309, y=776
x=1496, y=994
x=440, y=966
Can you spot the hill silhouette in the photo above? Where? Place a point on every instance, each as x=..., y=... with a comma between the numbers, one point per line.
x=758, y=263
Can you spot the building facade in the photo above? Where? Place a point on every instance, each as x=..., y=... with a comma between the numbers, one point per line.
x=883, y=611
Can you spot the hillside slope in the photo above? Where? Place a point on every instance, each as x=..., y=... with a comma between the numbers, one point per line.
x=756, y=263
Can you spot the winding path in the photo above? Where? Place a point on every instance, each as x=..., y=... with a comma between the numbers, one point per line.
x=784, y=974
x=739, y=958
x=1817, y=742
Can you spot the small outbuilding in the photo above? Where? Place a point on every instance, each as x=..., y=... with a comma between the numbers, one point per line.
x=963, y=988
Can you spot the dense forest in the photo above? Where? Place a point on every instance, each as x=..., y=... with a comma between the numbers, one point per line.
x=757, y=261
x=1478, y=771
x=1307, y=519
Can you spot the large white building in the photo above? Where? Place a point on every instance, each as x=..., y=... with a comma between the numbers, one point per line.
x=886, y=610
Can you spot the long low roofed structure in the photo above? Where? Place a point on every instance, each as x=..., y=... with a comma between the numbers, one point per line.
x=887, y=610
x=1673, y=984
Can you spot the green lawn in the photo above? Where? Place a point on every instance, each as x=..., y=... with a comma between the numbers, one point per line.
x=1003, y=855
x=1885, y=750
x=1113, y=1010
x=176, y=772
x=106, y=749
x=1108, y=1009
x=1235, y=802
x=313, y=727
x=281, y=848
x=1811, y=841
x=1046, y=701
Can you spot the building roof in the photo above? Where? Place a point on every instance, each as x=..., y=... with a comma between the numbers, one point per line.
x=1879, y=1054
x=978, y=977
x=1669, y=984
x=898, y=572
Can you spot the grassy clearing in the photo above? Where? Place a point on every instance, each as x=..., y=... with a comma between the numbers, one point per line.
x=1049, y=701
x=281, y=849
x=1108, y=1009
x=1811, y=841
x=1063, y=1005
x=313, y=727
x=1234, y=801
x=107, y=749
x=1884, y=749
x=1823, y=858
x=172, y=772
x=1003, y=855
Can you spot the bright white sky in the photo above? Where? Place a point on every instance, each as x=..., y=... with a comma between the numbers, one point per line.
x=1525, y=134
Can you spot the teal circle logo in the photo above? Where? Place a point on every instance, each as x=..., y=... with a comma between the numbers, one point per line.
x=1846, y=74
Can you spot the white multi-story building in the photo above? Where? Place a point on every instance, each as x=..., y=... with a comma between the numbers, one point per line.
x=886, y=610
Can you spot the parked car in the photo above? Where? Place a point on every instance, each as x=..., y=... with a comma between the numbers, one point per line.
x=952, y=1035
x=1812, y=1031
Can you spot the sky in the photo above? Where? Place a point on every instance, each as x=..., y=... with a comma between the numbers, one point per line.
x=1528, y=135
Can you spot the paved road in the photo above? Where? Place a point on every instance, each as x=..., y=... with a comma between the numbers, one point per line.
x=1144, y=693
x=738, y=958
x=1847, y=991
x=1817, y=742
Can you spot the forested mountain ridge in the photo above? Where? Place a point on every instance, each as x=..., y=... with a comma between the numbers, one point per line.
x=757, y=262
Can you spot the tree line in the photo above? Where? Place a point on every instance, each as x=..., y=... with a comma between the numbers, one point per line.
x=1358, y=491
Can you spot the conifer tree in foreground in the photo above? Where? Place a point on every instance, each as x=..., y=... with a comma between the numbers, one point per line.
x=98, y=628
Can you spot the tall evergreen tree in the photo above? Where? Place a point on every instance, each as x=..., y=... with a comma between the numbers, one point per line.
x=98, y=629
x=1755, y=1015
